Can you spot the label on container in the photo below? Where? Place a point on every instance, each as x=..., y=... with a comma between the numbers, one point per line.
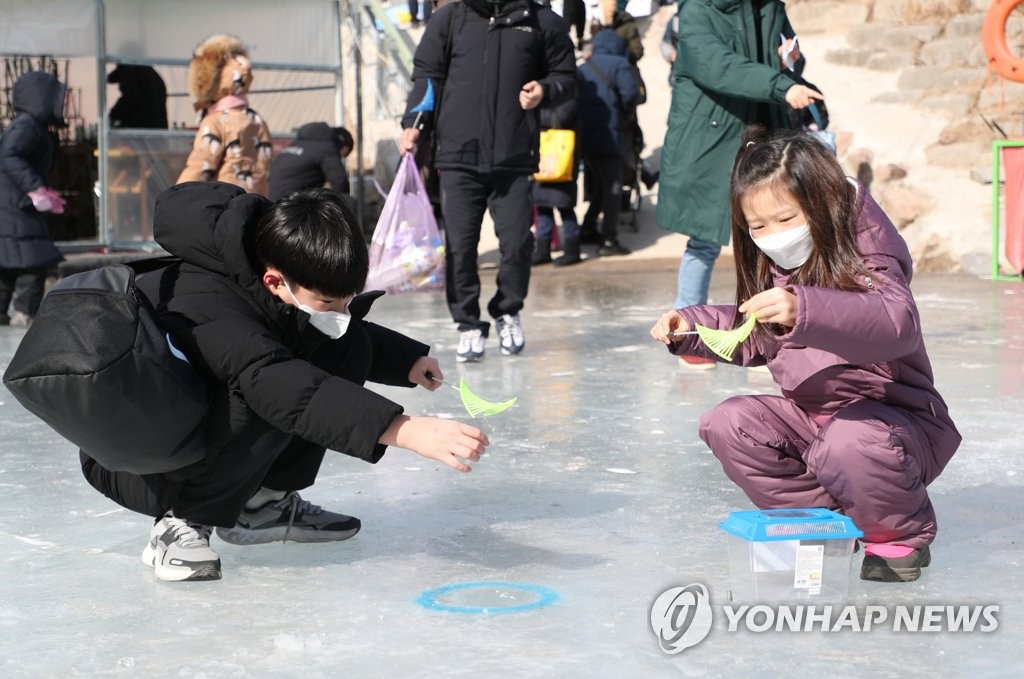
x=810, y=561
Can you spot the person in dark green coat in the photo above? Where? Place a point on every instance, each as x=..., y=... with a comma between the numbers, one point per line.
x=728, y=74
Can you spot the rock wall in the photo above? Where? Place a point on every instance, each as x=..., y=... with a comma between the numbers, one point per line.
x=932, y=54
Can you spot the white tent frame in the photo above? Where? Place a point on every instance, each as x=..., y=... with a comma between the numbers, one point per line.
x=32, y=35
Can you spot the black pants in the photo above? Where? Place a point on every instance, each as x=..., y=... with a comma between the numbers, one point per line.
x=23, y=286
x=575, y=14
x=414, y=8
x=213, y=493
x=605, y=184
x=464, y=198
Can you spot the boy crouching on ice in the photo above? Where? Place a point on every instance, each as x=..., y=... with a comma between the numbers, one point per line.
x=265, y=302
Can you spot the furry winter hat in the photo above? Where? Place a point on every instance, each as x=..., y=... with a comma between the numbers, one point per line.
x=220, y=66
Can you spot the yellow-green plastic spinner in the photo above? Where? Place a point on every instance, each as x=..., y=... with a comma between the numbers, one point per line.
x=724, y=342
x=476, y=406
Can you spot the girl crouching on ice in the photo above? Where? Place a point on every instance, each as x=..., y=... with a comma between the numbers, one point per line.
x=859, y=427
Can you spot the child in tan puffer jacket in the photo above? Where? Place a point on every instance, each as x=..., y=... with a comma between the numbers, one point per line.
x=233, y=142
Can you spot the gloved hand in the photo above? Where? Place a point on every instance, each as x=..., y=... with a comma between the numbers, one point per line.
x=46, y=199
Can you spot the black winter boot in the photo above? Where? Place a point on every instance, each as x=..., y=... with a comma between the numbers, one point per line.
x=570, y=252
x=648, y=178
x=541, y=252
x=589, y=234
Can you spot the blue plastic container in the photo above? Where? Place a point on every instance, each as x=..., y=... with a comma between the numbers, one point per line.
x=790, y=554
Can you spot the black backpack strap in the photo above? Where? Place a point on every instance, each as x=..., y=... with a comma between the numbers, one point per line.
x=147, y=264
x=599, y=72
x=168, y=267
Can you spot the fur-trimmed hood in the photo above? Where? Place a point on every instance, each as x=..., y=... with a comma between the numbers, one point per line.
x=220, y=67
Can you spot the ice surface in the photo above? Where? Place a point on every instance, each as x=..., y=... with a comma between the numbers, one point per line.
x=596, y=486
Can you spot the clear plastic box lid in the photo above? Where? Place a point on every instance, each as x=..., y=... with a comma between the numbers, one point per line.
x=763, y=525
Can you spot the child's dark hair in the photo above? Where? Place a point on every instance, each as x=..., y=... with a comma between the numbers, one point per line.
x=795, y=161
x=312, y=237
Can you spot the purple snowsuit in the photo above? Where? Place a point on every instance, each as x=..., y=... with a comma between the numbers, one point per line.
x=859, y=426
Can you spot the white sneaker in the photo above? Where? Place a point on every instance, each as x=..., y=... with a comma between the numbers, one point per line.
x=510, y=331
x=179, y=550
x=471, y=346
x=20, y=319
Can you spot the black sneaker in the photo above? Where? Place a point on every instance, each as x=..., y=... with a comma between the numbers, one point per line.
x=649, y=178
x=894, y=569
x=611, y=248
x=290, y=518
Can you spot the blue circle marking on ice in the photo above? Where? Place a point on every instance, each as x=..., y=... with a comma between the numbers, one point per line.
x=430, y=598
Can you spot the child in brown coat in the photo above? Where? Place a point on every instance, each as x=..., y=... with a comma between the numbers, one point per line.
x=233, y=142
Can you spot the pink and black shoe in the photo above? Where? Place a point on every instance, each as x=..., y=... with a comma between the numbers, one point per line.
x=893, y=563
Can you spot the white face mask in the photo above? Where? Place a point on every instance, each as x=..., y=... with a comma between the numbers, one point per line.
x=790, y=248
x=334, y=324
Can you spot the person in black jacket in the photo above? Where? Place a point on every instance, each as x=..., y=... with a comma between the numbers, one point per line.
x=315, y=157
x=143, y=100
x=265, y=302
x=28, y=150
x=493, y=61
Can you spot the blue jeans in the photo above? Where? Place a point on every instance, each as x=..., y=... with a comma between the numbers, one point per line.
x=546, y=223
x=695, y=272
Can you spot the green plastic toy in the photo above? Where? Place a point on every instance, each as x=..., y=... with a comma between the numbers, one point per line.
x=722, y=342
x=476, y=406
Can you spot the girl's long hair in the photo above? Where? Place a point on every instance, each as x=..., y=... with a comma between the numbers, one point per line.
x=796, y=162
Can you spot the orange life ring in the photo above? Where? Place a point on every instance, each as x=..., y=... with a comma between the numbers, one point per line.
x=993, y=39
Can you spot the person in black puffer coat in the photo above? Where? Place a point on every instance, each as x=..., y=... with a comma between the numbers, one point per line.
x=265, y=303
x=493, y=63
x=315, y=157
x=28, y=149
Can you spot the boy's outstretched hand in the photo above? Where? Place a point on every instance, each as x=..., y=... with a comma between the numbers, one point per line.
x=670, y=321
x=426, y=372
x=434, y=438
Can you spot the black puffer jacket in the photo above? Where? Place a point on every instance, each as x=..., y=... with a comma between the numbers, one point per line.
x=496, y=48
x=313, y=158
x=269, y=365
x=28, y=150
